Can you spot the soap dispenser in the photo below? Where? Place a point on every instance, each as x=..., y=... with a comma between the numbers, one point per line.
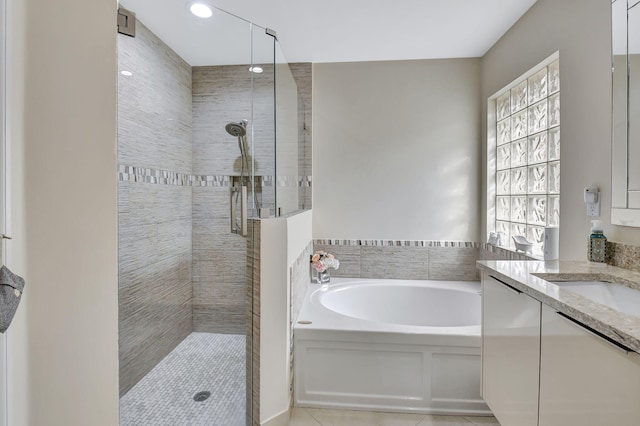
x=597, y=242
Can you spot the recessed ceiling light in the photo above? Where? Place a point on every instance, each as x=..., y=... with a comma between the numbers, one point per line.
x=126, y=73
x=257, y=70
x=201, y=10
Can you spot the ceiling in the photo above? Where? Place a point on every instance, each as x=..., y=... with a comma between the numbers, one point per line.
x=331, y=30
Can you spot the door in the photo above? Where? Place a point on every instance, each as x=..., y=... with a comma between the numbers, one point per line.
x=3, y=338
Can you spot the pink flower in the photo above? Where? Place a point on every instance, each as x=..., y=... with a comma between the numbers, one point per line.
x=322, y=260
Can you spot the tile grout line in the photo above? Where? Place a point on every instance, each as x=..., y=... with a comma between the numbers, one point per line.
x=421, y=419
x=311, y=415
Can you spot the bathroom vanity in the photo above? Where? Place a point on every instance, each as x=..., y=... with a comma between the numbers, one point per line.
x=560, y=343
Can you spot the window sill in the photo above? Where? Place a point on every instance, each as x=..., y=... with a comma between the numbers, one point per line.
x=509, y=253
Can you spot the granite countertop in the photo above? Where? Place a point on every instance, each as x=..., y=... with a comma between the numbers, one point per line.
x=531, y=277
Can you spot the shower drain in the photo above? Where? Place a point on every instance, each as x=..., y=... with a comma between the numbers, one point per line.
x=201, y=396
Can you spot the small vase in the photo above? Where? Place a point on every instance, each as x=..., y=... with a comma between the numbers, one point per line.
x=321, y=277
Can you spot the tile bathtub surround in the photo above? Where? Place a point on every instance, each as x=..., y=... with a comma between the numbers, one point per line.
x=154, y=206
x=300, y=280
x=299, y=284
x=403, y=259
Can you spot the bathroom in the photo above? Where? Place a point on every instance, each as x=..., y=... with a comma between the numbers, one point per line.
x=61, y=121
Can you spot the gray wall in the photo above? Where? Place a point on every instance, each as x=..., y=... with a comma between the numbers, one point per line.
x=396, y=150
x=581, y=31
x=154, y=203
x=61, y=131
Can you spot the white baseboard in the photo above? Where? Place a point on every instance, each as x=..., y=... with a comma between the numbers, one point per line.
x=281, y=419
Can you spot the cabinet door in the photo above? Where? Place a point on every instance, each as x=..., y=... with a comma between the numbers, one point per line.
x=510, y=353
x=584, y=379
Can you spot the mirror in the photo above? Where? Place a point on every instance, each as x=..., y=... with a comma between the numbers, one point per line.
x=626, y=113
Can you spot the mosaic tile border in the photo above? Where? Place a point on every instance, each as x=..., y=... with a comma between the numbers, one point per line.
x=399, y=243
x=128, y=173
x=150, y=175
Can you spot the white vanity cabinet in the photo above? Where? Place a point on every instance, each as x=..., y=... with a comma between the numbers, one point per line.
x=585, y=379
x=510, y=353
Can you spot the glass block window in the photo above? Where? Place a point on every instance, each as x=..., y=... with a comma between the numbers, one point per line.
x=527, y=156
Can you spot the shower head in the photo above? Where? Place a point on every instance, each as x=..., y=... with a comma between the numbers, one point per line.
x=237, y=129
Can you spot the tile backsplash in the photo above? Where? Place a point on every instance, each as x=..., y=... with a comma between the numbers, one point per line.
x=623, y=255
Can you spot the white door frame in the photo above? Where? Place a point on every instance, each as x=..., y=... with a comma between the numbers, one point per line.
x=4, y=412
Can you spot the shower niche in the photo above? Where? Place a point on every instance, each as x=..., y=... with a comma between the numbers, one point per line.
x=197, y=117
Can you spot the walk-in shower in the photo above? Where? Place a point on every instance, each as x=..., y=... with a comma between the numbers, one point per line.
x=185, y=91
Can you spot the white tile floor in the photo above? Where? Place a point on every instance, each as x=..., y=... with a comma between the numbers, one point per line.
x=201, y=362
x=322, y=417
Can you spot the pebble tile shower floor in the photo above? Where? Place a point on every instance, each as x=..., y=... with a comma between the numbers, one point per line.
x=201, y=362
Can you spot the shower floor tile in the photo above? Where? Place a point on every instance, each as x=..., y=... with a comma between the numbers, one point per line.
x=201, y=362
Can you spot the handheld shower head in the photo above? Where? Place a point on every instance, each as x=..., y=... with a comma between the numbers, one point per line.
x=237, y=129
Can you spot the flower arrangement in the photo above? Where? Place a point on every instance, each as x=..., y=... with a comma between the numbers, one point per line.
x=322, y=260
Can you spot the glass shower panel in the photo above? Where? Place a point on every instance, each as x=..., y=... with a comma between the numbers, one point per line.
x=287, y=136
x=304, y=148
x=263, y=119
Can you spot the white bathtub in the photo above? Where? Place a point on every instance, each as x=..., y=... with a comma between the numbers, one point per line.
x=390, y=345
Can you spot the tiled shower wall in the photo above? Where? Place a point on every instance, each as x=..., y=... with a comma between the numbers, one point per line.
x=155, y=214
x=222, y=94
